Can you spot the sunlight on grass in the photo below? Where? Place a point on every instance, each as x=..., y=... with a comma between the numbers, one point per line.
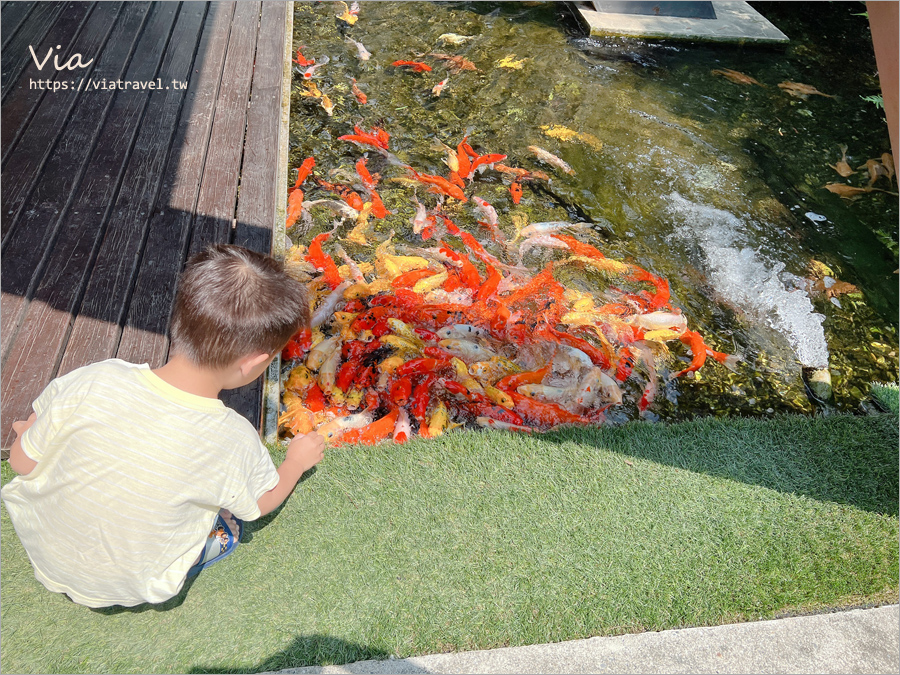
x=480, y=540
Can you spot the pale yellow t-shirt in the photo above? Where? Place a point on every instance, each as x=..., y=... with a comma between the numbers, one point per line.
x=130, y=475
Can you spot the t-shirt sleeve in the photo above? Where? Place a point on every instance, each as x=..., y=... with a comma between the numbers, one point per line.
x=48, y=421
x=257, y=476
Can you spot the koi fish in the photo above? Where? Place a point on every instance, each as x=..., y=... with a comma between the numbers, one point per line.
x=312, y=90
x=488, y=212
x=543, y=413
x=543, y=240
x=326, y=308
x=415, y=66
x=376, y=431
x=439, y=185
x=439, y=87
x=491, y=423
x=377, y=138
x=327, y=104
x=551, y=159
x=311, y=71
x=800, y=90
x=362, y=52
x=294, y=208
x=484, y=160
x=361, y=98
x=455, y=64
x=735, y=76
x=402, y=429
x=470, y=352
x=551, y=227
x=454, y=39
x=347, y=15
x=300, y=60
x=515, y=190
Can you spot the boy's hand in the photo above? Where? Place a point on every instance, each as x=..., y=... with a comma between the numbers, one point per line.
x=306, y=451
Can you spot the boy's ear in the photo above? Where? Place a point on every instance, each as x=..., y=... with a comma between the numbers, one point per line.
x=248, y=363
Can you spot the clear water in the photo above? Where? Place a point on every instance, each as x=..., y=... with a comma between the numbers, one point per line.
x=714, y=185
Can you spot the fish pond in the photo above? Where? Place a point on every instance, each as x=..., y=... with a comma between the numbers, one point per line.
x=684, y=160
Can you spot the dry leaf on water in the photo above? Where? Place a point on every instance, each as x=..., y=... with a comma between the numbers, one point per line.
x=842, y=167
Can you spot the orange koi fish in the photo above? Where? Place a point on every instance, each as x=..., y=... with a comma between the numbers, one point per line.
x=579, y=247
x=661, y=298
x=373, y=433
x=361, y=98
x=415, y=66
x=362, y=171
x=543, y=413
x=323, y=261
x=303, y=172
x=698, y=348
x=515, y=190
x=462, y=158
x=486, y=160
x=377, y=138
x=294, y=207
x=439, y=185
x=301, y=61
x=516, y=380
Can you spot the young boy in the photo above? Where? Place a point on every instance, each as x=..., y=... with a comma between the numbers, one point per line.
x=124, y=470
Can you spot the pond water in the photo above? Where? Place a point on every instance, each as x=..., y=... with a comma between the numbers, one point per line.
x=715, y=185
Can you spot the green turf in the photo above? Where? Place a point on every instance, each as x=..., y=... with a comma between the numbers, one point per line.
x=480, y=540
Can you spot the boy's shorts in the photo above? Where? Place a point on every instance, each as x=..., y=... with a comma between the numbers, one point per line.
x=220, y=544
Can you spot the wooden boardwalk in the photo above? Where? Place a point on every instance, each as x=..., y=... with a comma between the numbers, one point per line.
x=106, y=192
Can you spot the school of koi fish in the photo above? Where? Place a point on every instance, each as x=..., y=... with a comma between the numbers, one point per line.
x=460, y=330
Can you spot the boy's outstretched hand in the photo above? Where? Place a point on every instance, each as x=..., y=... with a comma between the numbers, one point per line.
x=307, y=450
x=303, y=453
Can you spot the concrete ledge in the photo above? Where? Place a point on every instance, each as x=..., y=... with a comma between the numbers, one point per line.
x=855, y=641
x=734, y=22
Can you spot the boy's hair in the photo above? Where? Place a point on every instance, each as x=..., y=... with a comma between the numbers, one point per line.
x=233, y=302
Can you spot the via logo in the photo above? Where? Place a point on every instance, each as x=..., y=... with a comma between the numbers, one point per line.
x=73, y=62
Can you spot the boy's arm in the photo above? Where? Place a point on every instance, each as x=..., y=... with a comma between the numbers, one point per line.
x=303, y=453
x=19, y=462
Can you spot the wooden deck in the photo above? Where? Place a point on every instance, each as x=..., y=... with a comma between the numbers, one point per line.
x=105, y=193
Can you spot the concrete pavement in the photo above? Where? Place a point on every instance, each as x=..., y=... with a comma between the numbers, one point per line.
x=854, y=641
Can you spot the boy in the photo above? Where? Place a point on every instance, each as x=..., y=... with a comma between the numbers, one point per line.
x=124, y=470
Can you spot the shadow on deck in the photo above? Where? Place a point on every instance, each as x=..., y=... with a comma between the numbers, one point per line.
x=106, y=192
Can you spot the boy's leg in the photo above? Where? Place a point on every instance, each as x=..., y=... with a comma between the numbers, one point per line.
x=222, y=541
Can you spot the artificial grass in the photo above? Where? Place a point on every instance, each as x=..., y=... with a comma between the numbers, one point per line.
x=479, y=540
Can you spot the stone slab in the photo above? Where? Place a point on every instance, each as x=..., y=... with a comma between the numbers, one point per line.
x=734, y=22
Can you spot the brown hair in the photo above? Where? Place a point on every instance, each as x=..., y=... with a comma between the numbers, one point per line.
x=233, y=302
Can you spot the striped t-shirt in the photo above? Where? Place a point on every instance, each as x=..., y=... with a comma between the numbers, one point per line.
x=130, y=475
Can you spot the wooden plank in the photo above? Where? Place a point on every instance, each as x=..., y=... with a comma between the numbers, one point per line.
x=16, y=54
x=79, y=181
x=216, y=205
x=259, y=169
x=144, y=336
x=80, y=129
x=97, y=328
x=21, y=99
x=25, y=371
x=14, y=15
x=28, y=155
